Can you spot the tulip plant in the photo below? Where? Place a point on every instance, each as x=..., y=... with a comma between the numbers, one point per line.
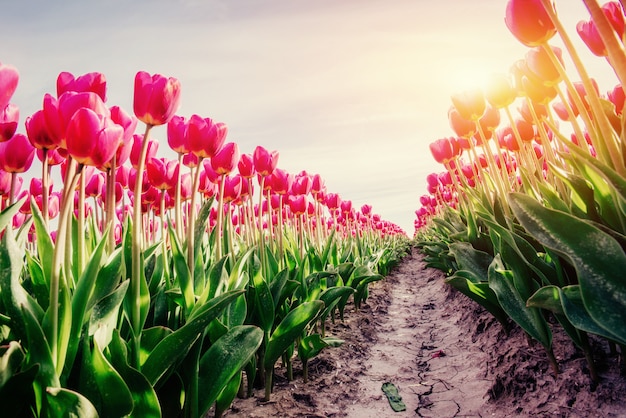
x=132, y=284
x=528, y=217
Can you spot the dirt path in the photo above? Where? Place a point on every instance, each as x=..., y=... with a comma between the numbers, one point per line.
x=447, y=358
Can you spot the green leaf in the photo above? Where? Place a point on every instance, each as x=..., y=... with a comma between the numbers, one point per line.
x=311, y=345
x=479, y=292
x=145, y=400
x=225, y=358
x=106, y=388
x=547, y=298
x=264, y=303
x=80, y=299
x=530, y=319
x=574, y=309
x=598, y=258
x=470, y=259
x=45, y=247
x=172, y=349
x=289, y=329
x=14, y=296
x=39, y=352
x=104, y=315
x=6, y=216
x=64, y=403
x=183, y=276
x=19, y=386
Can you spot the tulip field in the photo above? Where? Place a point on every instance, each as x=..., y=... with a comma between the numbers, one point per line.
x=149, y=279
x=528, y=216
x=132, y=284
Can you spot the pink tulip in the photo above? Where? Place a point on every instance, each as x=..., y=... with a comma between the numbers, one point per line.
x=94, y=82
x=16, y=154
x=135, y=151
x=92, y=139
x=38, y=133
x=264, y=161
x=205, y=138
x=9, y=118
x=177, y=135
x=156, y=98
x=162, y=173
x=232, y=188
x=9, y=78
x=529, y=22
x=70, y=102
x=225, y=161
x=246, y=166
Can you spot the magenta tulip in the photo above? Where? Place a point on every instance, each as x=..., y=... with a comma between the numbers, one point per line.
x=529, y=22
x=156, y=98
x=246, y=166
x=264, y=161
x=9, y=118
x=94, y=82
x=177, y=135
x=16, y=154
x=92, y=139
x=225, y=161
x=205, y=137
x=9, y=78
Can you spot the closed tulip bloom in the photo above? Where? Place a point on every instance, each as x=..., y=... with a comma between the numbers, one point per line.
x=246, y=166
x=177, y=134
x=616, y=96
x=280, y=181
x=366, y=209
x=156, y=98
x=529, y=22
x=490, y=119
x=70, y=102
x=444, y=150
x=210, y=172
x=92, y=139
x=225, y=161
x=9, y=78
x=462, y=127
x=95, y=185
x=499, y=91
x=317, y=185
x=38, y=132
x=264, y=161
x=94, y=82
x=135, y=151
x=301, y=185
x=537, y=91
x=297, y=204
x=162, y=173
x=205, y=137
x=16, y=154
x=588, y=31
x=333, y=201
x=9, y=118
x=346, y=206
x=539, y=64
x=232, y=188
x=470, y=104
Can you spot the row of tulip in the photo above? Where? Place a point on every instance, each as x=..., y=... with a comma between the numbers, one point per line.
x=136, y=288
x=529, y=217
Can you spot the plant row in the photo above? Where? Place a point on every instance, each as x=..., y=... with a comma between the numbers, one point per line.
x=138, y=285
x=529, y=217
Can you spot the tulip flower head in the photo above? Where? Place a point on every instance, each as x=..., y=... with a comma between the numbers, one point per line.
x=225, y=161
x=94, y=82
x=205, y=137
x=16, y=154
x=9, y=118
x=92, y=139
x=529, y=22
x=156, y=98
x=9, y=78
x=264, y=161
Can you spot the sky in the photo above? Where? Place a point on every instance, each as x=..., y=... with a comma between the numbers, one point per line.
x=353, y=90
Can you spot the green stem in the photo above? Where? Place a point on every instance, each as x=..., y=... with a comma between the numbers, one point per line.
x=57, y=257
x=137, y=247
